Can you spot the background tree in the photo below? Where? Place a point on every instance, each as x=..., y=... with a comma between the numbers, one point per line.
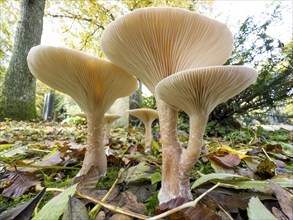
x=253, y=46
x=7, y=21
x=17, y=99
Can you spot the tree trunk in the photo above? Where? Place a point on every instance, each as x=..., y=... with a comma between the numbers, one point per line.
x=135, y=102
x=18, y=95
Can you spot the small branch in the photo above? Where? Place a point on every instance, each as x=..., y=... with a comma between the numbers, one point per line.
x=186, y=205
x=97, y=208
x=79, y=17
x=113, y=208
x=105, y=205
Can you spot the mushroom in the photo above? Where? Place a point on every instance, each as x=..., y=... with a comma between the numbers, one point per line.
x=93, y=83
x=198, y=92
x=147, y=116
x=108, y=120
x=153, y=43
x=82, y=115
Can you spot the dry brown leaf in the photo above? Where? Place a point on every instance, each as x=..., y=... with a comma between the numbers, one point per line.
x=119, y=216
x=229, y=160
x=21, y=182
x=132, y=203
x=88, y=181
x=284, y=197
x=229, y=200
x=200, y=211
x=279, y=214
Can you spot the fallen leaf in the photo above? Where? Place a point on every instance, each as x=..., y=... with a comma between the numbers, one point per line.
x=20, y=183
x=229, y=200
x=229, y=160
x=75, y=210
x=256, y=210
x=131, y=202
x=137, y=173
x=23, y=211
x=200, y=211
x=224, y=150
x=239, y=182
x=284, y=197
x=279, y=214
x=56, y=206
x=88, y=181
x=119, y=216
x=220, y=168
x=266, y=169
x=275, y=148
x=217, y=176
x=156, y=177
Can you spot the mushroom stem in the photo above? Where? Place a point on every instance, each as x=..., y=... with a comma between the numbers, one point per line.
x=148, y=136
x=171, y=152
x=191, y=154
x=107, y=133
x=95, y=154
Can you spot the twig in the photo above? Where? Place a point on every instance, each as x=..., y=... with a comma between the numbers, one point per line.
x=267, y=154
x=186, y=205
x=113, y=208
x=97, y=208
x=228, y=215
x=105, y=205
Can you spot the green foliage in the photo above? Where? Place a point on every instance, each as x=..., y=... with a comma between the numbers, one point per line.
x=11, y=202
x=53, y=181
x=202, y=167
x=152, y=203
x=9, y=14
x=149, y=102
x=273, y=61
x=258, y=135
x=107, y=181
x=74, y=120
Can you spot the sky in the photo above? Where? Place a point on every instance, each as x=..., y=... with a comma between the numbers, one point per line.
x=230, y=12
x=226, y=11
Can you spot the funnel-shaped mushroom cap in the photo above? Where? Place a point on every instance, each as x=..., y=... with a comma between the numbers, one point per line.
x=144, y=114
x=82, y=115
x=92, y=82
x=109, y=118
x=201, y=90
x=153, y=43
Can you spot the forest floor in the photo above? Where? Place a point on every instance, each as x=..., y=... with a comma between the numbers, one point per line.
x=38, y=161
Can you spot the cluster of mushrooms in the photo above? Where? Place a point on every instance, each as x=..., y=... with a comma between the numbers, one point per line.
x=177, y=54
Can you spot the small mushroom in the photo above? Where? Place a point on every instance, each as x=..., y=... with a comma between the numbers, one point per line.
x=108, y=120
x=82, y=115
x=93, y=83
x=198, y=92
x=147, y=116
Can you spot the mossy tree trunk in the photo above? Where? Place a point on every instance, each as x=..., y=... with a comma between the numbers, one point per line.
x=17, y=99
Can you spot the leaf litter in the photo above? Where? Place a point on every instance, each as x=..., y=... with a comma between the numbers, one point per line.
x=256, y=173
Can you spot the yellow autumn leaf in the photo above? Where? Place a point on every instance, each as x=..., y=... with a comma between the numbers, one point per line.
x=226, y=148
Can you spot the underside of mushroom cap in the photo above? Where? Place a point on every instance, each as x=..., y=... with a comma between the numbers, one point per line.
x=153, y=43
x=109, y=118
x=92, y=82
x=201, y=90
x=144, y=114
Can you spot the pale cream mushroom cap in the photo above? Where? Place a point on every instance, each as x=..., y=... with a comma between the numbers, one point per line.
x=92, y=82
x=153, y=43
x=144, y=114
x=109, y=118
x=200, y=90
x=82, y=115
